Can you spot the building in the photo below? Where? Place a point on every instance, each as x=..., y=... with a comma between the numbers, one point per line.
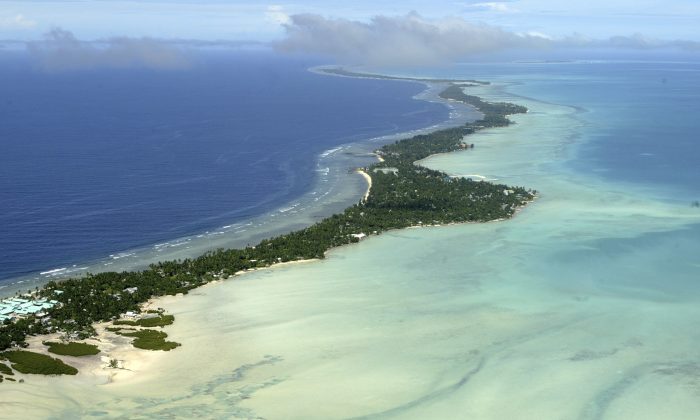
x=387, y=171
x=13, y=308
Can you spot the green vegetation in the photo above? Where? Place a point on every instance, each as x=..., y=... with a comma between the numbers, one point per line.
x=158, y=321
x=28, y=362
x=72, y=349
x=5, y=370
x=493, y=111
x=151, y=340
x=13, y=333
x=403, y=194
x=119, y=329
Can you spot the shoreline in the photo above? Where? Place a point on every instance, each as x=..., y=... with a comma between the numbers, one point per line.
x=132, y=362
x=367, y=178
x=382, y=329
x=391, y=157
x=306, y=209
x=339, y=71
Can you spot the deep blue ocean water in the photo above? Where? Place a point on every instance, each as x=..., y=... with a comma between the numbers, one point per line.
x=97, y=162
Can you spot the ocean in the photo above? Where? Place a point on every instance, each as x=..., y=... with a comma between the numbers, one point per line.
x=637, y=114
x=97, y=165
x=640, y=130
x=585, y=305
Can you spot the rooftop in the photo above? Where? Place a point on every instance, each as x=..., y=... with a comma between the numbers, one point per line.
x=21, y=306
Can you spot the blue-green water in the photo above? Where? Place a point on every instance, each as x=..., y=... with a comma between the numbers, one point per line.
x=584, y=306
x=639, y=115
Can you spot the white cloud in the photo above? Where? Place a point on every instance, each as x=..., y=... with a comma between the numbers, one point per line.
x=276, y=14
x=538, y=34
x=412, y=40
x=403, y=40
x=16, y=22
x=495, y=6
x=61, y=51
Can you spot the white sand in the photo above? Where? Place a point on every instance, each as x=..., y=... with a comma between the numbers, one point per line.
x=367, y=178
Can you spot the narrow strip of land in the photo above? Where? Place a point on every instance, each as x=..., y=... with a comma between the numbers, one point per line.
x=400, y=194
x=339, y=71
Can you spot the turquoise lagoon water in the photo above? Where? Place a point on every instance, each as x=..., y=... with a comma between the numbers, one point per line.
x=584, y=306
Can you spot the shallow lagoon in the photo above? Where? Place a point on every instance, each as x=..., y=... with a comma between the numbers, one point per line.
x=583, y=306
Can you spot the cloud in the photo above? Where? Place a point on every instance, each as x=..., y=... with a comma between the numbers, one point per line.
x=276, y=14
x=495, y=6
x=16, y=22
x=633, y=42
x=404, y=40
x=62, y=51
x=412, y=40
x=538, y=34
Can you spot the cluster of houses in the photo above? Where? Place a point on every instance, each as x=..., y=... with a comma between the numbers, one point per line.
x=387, y=171
x=20, y=307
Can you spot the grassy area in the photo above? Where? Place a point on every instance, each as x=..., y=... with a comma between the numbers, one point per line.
x=5, y=370
x=151, y=340
x=28, y=362
x=72, y=349
x=159, y=321
x=118, y=329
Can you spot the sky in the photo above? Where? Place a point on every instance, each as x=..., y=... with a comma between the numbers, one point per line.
x=247, y=20
x=75, y=34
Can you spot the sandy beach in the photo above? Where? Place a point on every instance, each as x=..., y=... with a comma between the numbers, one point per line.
x=131, y=362
x=367, y=178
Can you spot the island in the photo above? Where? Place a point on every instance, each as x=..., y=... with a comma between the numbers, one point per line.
x=402, y=194
x=339, y=71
